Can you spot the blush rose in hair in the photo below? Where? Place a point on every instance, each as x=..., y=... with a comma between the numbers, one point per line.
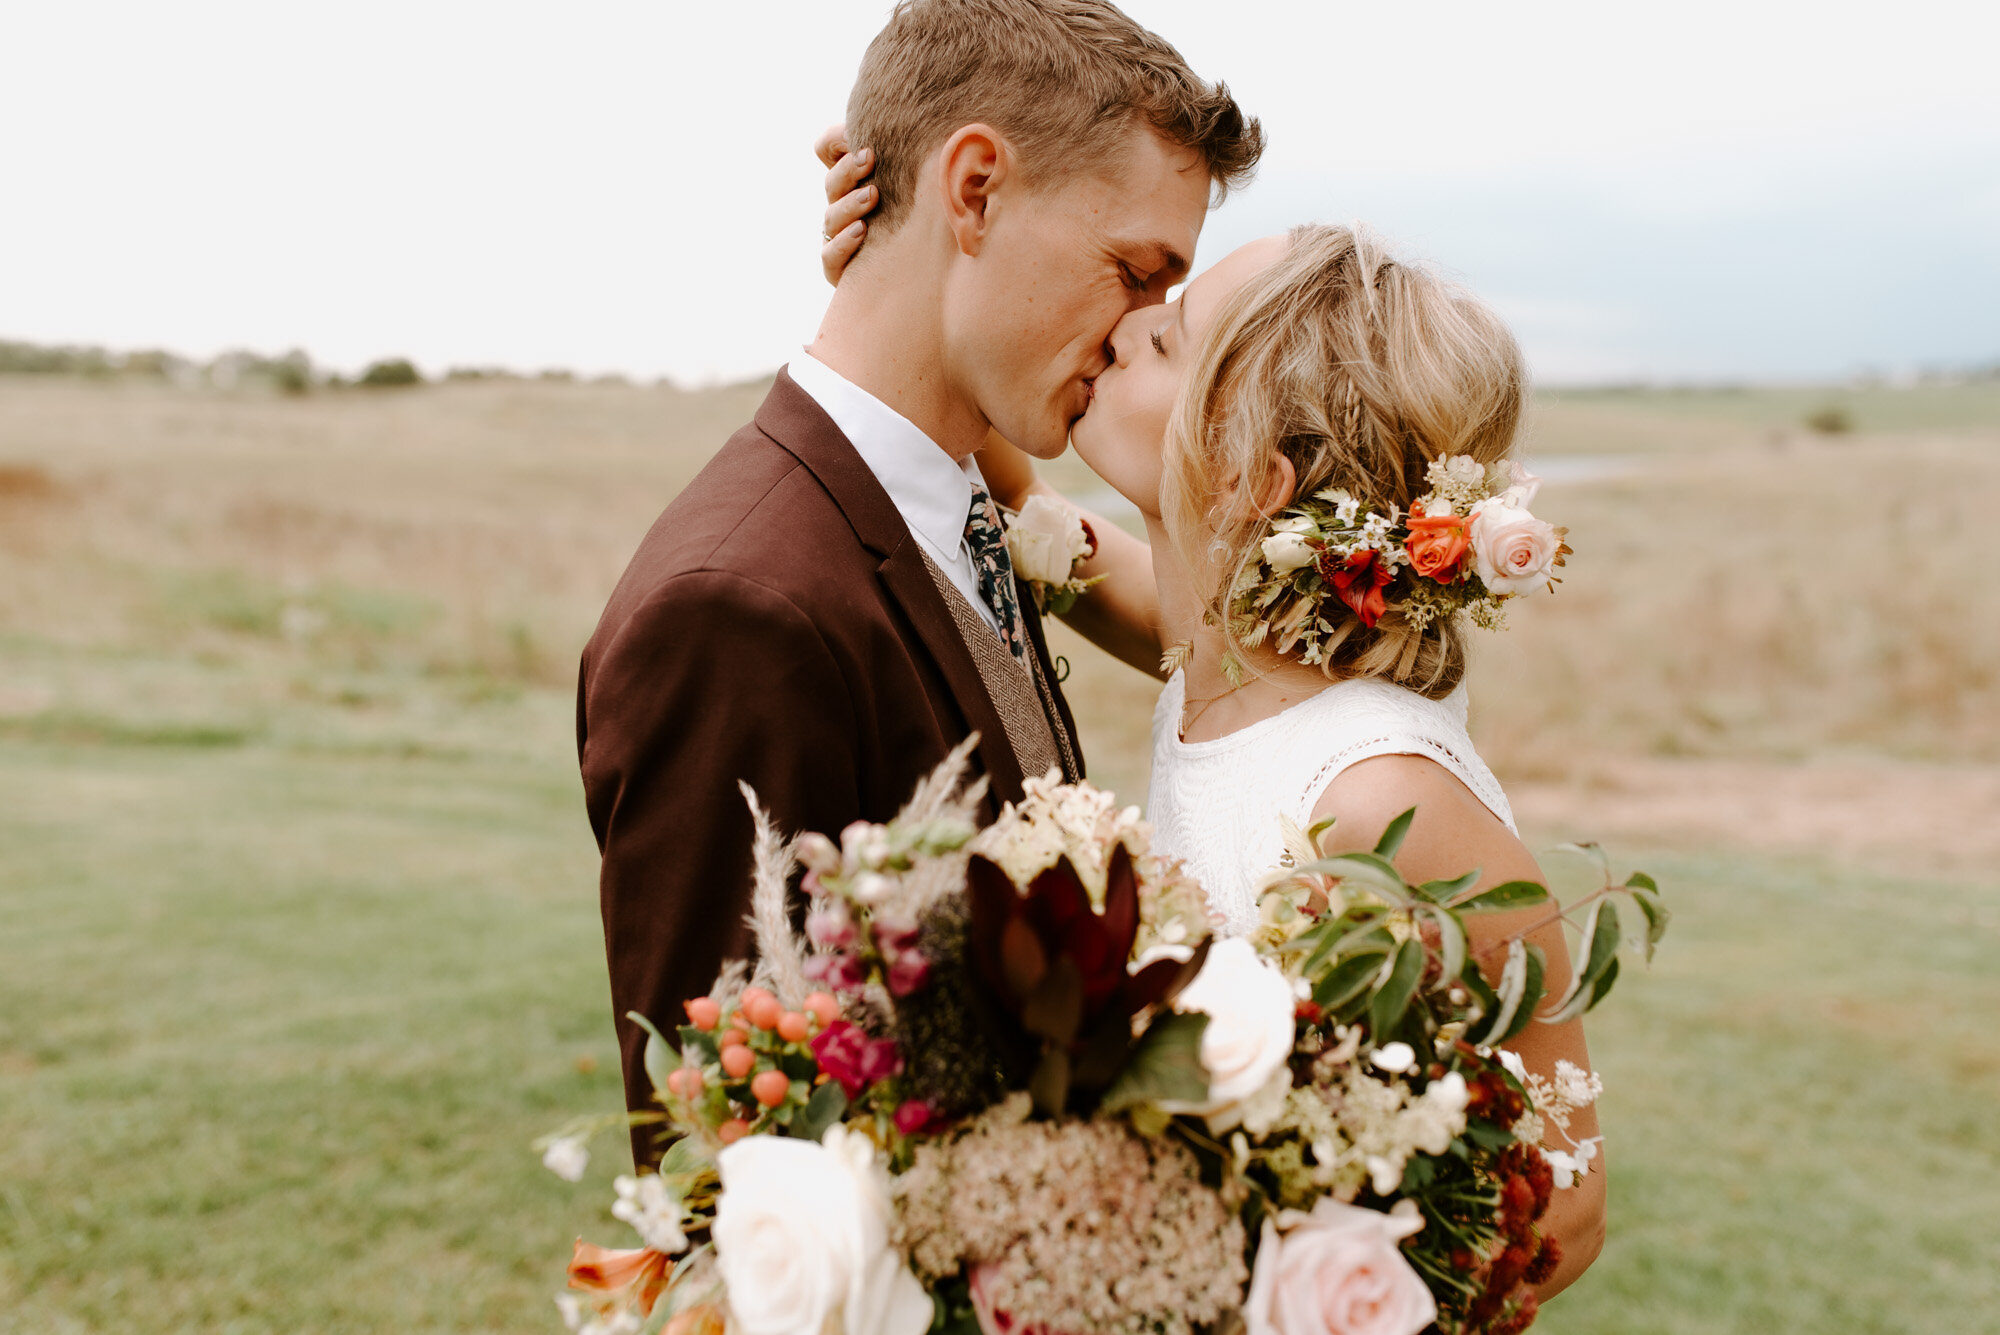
x=1337, y=1271
x=1512, y=550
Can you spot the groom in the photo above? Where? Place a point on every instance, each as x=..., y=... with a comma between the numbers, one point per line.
x=828, y=608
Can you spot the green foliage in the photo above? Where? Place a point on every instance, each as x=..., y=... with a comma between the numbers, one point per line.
x=391, y=373
x=1165, y=1065
x=1830, y=420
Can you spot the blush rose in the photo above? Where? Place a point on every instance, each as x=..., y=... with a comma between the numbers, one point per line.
x=1512, y=550
x=1337, y=1271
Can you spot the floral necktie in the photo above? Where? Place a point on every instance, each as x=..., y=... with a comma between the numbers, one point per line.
x=990, y=562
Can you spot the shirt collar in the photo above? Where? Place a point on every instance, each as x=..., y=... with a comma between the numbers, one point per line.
x=931, y=491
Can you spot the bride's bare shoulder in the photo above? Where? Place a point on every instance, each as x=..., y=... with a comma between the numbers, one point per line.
x=1453, y=832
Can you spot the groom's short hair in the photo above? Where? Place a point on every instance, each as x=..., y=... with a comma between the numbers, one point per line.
x=1059, y=78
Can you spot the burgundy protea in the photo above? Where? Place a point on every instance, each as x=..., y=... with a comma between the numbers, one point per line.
x=1057, y=967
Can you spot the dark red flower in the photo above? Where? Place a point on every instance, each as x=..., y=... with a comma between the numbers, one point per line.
x=1358, y=580
x=850, y=1056
x=913, y=1116
x=905, y=965
x=1057, y=966
x=1546, y=1261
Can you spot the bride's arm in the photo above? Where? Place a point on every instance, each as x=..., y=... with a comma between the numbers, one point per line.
x=1454, y=832
x=1120, y=616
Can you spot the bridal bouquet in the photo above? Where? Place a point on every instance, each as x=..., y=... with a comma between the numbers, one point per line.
x=1010, y=1082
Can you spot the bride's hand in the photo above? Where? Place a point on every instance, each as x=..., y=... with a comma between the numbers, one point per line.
x=848, y=199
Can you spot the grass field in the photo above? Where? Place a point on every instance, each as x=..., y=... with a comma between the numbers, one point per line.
x=298, y=934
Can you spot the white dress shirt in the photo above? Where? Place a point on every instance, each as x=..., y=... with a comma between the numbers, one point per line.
x=932, y=493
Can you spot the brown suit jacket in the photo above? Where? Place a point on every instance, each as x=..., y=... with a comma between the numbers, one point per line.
x=781, y=626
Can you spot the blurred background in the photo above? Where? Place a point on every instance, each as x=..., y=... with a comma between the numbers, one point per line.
x=349, y=350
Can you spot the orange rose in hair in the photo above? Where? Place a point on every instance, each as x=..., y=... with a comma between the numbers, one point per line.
x=1437, y=547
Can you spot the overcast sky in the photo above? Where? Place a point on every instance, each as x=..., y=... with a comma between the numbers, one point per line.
x=1678, y=191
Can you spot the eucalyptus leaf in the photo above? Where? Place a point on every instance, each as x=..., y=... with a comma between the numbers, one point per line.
x=827, y=1106
x=661, y=1058
x=1392, y=999
x=1443, y=892
x=1367, y=871
x=1451, y=941
x=1592, y=850
x=1531, y=997
x=1509, y=895
x=1601, y=937
x=1165, y=1065
x=1392, y=837
x=1508, y=994
x=1348, y=980
x=1337, y=947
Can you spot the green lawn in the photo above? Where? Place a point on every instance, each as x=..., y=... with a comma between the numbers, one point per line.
x=277, y=1023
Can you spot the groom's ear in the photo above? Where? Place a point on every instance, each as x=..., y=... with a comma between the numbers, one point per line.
x=975, y=163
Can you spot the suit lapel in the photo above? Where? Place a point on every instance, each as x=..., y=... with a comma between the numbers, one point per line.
x=791, y=417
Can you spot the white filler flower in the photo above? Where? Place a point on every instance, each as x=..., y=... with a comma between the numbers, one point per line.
x=566, y=1157
x=802, y=1240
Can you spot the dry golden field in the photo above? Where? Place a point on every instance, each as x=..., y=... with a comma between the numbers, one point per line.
x=1755, y=614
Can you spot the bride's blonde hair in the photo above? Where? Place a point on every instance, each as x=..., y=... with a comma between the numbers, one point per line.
x=1360, y=369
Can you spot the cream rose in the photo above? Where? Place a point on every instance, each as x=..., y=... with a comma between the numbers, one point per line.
x=1247, y=1046
x=1512, y=550
x=802, y=1239
x=1045, y=539
x=1286, y=552
x=1337, y=1271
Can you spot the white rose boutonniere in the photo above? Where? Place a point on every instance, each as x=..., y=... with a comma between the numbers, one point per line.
x=1247, y=1047
x=1045, y=540
x=802, y=1240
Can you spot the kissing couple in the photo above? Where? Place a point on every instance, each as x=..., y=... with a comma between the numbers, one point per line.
x=831, y=607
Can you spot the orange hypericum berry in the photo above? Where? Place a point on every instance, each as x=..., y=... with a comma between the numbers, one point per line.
x=823, y=1007
x=703, y=1013
x=793, y=1027
x=732, y=1037
x=732, y=1130
x=770, y=1088
x=684, y=1083
x=751, y=996
x=738, y=1061
x=763, y=1010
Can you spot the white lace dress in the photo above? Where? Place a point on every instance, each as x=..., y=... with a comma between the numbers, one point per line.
x=1215, y=805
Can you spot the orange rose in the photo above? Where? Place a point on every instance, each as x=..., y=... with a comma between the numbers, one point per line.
x=1437, y=547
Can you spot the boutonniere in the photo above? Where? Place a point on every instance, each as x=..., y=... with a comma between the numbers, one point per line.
x=1047, y=541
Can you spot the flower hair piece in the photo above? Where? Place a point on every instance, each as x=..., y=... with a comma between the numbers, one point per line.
x=1467, y=545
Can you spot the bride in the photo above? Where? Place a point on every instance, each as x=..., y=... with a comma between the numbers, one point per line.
x=1297, y=365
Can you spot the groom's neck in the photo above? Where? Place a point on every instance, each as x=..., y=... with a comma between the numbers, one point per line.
x=884, y=331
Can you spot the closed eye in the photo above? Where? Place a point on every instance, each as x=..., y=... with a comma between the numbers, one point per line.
x=1130, y=277
x=1158, y=346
